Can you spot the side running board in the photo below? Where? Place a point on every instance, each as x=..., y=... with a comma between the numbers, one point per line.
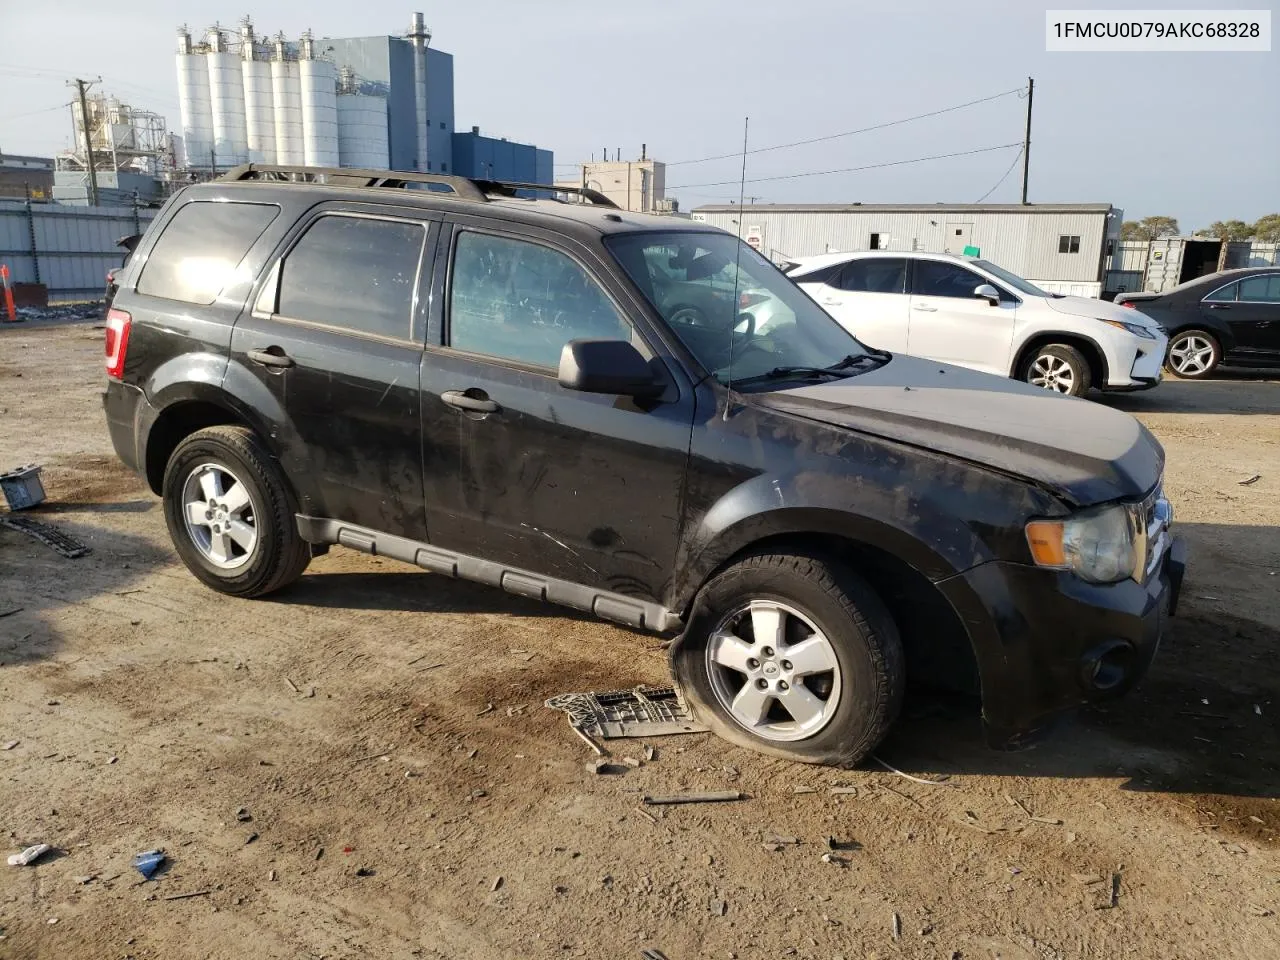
x=601, y=603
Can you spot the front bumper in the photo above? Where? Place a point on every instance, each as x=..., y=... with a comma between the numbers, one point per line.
x=1047, y=641
x=1137, y=365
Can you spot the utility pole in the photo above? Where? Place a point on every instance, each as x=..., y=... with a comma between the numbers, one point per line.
x=81, y=86
x=1026, y=141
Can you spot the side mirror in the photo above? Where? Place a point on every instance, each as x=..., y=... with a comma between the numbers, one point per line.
x=988, y=293
x=607, y=366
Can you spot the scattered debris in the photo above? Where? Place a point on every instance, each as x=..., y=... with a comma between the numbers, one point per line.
x=1259, y=911
x=371, y=756
x=49, y=535
x=651, y=954
x=834, y=844
x=907, y=797
x=1251, y=480
x=11, y=744
x=472, y=754
x=560, y=888
x=928, y=783
x=319, y=853
x=292, y=686
x=650, y=753
x=243, y=815
x=52, y=921
x=113, y=759
x=719, y=908
x=897, y=927
x=365, y=872
x=600, y=765
x=631, y=762
x=1257, y=708
x=647, y=815
x=1113, y=900
x=1087, y=878
x=804, y=789
x=187, y=896
x=22, y=487
x=705, y=796
x=497, y=882
x=488, y=708
x=85, y=880
x=249, y=839
x=642, y=712
x=832, y=858
x=845, y=791
x=29, y=855
x=148, y=862
x=586, y=738
x=10, y=613
x=271, y=876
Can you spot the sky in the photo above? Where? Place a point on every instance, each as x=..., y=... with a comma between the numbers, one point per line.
x=1190, y=135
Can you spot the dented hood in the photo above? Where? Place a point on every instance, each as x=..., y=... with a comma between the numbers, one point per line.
x=1082, y=451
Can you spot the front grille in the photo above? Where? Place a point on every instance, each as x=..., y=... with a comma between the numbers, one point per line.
x=1156, y=520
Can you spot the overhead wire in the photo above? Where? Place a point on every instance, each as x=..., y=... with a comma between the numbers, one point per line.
x=868, y=166
x=1016, y=157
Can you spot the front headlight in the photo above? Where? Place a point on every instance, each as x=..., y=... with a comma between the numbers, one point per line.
x=1099, y=545
x=1133, y=328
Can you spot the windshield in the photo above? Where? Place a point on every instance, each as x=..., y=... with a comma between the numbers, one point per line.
x=1012, y=279
x=714, y=290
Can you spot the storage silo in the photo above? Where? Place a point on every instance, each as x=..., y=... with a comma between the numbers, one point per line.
x=226, y=91
x=318, y=80
x=286, y=97
x=362, y=125
x=259, y=104
x=194, y=102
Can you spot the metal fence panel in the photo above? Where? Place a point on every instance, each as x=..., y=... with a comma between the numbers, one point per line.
x=69, y=249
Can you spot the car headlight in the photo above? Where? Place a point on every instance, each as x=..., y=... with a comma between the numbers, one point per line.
x=1100, y=545
x=1133, y=328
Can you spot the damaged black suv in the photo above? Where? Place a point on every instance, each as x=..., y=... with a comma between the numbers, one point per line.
x=639, y=417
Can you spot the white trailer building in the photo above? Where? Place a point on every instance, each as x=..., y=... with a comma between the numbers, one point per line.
x=1059, y=246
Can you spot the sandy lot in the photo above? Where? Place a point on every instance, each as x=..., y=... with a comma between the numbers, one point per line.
x=350, y=718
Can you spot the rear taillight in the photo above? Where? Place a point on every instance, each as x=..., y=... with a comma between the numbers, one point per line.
x=1126, y=303
x=111, y=276
x=751, y=299
x=118, y=324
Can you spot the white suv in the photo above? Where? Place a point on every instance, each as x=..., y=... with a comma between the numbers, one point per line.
x=974, y=314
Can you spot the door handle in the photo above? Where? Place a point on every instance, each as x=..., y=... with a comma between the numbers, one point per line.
x=1219, y=306
x=923, y=309
x=271, y=357
x=456, y=398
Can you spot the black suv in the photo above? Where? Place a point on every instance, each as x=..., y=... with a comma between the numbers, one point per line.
x=640, y=417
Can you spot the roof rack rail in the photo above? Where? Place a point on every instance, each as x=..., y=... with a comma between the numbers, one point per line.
x=462, y=188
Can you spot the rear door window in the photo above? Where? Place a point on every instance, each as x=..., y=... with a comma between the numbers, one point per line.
x=200, y=248
x=874, y=275
x=355, y=273
x=1225, y=294
x=1263, y=289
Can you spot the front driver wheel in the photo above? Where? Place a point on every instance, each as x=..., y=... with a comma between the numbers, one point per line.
x=1193, y=354
x=230, y=514
x=794, y=656
x=1060, y=368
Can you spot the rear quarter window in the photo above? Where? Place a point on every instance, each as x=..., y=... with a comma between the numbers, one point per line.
x=200, y=248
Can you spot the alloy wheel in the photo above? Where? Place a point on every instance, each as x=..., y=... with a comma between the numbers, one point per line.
x=220, y=515
x=774, y=671
x=1052, y=373
x=1191, y=355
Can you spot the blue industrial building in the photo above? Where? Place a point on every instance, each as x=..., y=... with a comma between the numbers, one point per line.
x=386, y=65
x=491, y=158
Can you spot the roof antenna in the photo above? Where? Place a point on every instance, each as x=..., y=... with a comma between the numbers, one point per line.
x=737, y=276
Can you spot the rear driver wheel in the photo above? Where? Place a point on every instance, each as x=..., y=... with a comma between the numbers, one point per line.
x=230, y=514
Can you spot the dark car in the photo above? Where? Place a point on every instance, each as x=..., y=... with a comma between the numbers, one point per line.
x=1230, y=318
x=486, y=386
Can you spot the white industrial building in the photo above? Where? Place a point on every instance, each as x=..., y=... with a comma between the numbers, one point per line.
x=1060, y=246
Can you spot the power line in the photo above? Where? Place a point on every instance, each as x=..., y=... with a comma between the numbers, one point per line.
x=32, y=113
x=1016, y=157
x=869, y=166
x=850, y=133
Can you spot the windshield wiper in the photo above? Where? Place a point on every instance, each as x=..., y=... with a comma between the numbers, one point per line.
x=836, y=369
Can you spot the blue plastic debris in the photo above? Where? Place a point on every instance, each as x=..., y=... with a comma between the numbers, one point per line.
x=148, y=862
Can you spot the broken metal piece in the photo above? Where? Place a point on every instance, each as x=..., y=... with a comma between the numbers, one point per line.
x=704, y=796
x=49, y=535
x=642, y=712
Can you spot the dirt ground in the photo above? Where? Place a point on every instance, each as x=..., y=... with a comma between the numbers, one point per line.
x=410, y=796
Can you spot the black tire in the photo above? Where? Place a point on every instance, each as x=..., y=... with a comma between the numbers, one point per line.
x=1081, y=374
x=279, y=554
x=841, y=605
x=1183, y=339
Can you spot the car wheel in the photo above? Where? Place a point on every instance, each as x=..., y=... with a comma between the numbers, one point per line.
x=230, y=514
x=793, y=656
x=1193, y=354
x=1060, y=368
